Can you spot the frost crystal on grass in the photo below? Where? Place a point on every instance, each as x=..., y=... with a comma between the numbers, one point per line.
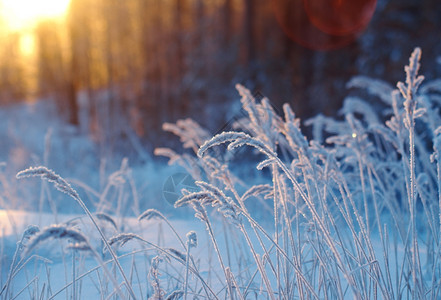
x=151, y=214
x=192, y=239
x=257, y=190
x=265, y=163
x=203, y=197
x=409, y=90
x=55, y=232
x=167, y=152
x=107, y=218
x=236, y=139
x=155, y=282
x=222, y=138
x=50, y=176
x=123, y=238
x=30, y=231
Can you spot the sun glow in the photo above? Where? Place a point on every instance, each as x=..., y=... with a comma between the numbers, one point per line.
x=23, y=14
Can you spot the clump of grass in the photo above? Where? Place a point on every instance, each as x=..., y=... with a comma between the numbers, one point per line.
x=334, y=198
x=56, y=232
x=63, y=186
x=355, y=212
x=30, y=231
x=155, y=282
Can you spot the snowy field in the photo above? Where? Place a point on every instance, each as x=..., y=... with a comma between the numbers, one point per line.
x=353, y=212
x=47, y=272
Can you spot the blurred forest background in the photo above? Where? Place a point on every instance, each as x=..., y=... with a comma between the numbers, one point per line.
x=118, y=69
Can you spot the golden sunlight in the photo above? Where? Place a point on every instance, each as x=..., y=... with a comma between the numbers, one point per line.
x=23, y=14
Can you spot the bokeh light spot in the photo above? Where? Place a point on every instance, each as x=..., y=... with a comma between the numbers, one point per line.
x=340, y=17
x=323, y=24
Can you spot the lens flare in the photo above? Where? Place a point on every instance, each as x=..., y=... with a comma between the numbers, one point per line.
x=323, y=24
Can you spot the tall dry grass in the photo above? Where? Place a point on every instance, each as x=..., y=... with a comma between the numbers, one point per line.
x=353, y=212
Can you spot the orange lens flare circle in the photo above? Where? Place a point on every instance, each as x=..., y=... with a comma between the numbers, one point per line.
x=323, y=24
x=340, y=17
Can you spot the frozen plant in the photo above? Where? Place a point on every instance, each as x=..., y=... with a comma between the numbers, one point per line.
x=354, y=213
x=63, y=186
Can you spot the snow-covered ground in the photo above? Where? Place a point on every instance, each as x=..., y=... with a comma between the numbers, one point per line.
x=31, y=134
x=322, y=220
x=53, y=265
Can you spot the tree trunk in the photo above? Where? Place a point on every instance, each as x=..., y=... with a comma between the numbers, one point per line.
x=250, y=40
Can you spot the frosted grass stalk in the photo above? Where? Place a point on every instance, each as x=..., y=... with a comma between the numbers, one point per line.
x=216, y=247
x=65, y=187
x=27, y=234
x=240, y=139
x=191, y=242
x=74, y=295
x=231, y=211
x=78, y=241
x=122, y=238
x=235, y=215
x=153, y=213
x=276, y=224
x=410, y=105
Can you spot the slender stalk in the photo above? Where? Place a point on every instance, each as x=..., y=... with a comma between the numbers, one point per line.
x=186, y=271
x=108, y=247
x=74, y=296
x=14, y=259
x=64, y=187
x=219, y=256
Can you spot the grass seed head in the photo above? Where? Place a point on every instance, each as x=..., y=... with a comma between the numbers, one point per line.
x=55, y=232
x=51, y=176
x=30, y=231
x=151, y=214
x=123, y=238
x=107, y=218
x=192, y=239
